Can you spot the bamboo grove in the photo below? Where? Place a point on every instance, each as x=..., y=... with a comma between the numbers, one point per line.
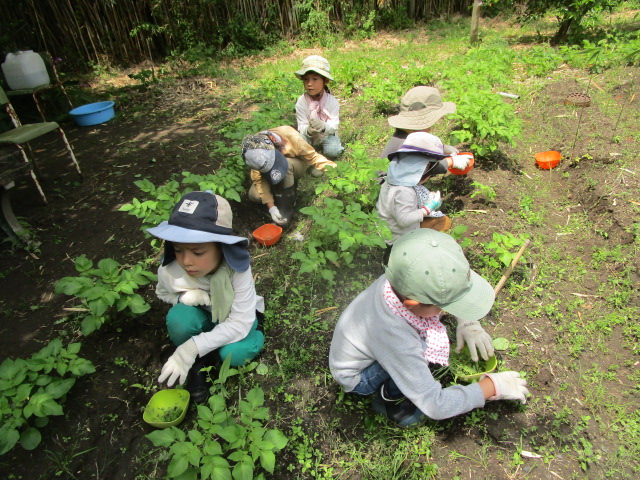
x=122, y=32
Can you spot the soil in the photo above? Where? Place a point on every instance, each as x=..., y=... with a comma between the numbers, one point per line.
x=102, y=434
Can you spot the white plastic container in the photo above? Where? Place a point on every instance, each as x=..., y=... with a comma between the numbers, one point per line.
x=25, y=69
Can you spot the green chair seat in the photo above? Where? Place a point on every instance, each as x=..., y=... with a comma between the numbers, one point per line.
x=26, y=133
x=27, y=91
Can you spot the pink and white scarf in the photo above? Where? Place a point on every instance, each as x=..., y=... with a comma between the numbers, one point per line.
x=430, y=329
x=316, y=107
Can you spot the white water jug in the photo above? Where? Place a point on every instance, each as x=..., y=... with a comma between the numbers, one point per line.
x=25, y=69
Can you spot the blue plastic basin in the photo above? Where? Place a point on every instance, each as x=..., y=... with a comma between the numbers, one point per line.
x=93, y=113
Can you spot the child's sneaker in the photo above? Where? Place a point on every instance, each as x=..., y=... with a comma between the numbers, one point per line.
x=400, y=410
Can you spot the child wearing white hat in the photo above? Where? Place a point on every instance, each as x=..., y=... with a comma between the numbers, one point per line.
x=404, y=203
x=317, y=111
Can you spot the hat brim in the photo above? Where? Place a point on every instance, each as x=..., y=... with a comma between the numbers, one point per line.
x=302, y=72
x=173, y=233
x=475, y=303
x=421, y=119
x=236, y=256
x=279, y=169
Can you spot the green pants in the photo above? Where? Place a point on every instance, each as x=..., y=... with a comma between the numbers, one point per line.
x=185, y=321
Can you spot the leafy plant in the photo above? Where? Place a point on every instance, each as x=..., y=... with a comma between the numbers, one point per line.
x=228, y=441
x=480, y=189
x=108, y=285
x=506, y=247
x=34, y=389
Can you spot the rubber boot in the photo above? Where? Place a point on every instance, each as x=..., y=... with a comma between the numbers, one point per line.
x=285, y=200
x=197, y=381
x=397, y=408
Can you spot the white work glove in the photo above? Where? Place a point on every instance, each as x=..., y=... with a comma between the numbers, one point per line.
x=434, y=200
x=276, y=216
x=460, y=162
x=476, y=338
x=509, y=386
x=195, y=297
x=316, y=125
x=178, y=365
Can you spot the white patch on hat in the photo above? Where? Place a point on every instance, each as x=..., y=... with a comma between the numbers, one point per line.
x=188, y=206
x=276, y=176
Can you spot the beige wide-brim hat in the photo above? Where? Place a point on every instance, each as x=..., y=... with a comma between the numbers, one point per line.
x=421, y=108
x=315, y=63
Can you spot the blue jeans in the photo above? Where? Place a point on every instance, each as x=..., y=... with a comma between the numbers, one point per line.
x=372, y=377
x=329, y=145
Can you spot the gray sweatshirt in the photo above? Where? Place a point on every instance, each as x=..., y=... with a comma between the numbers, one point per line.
x=368, y=331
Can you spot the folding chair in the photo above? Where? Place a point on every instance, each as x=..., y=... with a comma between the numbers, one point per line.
x=22, y=134
x=53, y=75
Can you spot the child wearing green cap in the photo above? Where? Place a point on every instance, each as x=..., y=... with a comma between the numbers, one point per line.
x=387, y=338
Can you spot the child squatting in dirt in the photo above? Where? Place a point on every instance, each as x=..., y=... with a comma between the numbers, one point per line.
x=404, y=203
x=387, y=338
x=278, y=157
x=206, y=276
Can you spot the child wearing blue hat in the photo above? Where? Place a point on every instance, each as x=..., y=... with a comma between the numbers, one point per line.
x=206, y=276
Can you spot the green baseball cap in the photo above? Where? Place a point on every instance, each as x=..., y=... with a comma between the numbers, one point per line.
x=430, y=267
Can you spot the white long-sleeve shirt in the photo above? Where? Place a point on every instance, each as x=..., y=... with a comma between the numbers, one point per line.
x=303, y=114
x=173, y=281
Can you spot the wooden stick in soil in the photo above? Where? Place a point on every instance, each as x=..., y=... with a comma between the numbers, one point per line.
x=510, y=268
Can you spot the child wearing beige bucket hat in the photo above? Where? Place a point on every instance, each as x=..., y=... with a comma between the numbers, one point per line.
x=388, y=337
x=420, y=109
x=317, y=111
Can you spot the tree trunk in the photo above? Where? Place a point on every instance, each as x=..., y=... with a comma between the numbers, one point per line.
x=475, y=19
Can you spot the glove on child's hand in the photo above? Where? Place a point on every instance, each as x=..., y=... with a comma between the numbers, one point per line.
x=476, y=338
x=509, y=386
x=195, y=297
x=434, y=200
x=178, y=365
x=276, y=216
x=460, y=162
x=317, y=124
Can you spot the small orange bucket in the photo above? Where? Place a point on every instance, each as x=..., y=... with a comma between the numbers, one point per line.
x=268, y=234
x=548, y=160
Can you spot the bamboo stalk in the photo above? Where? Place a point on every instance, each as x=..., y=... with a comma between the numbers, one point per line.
x=510, y=268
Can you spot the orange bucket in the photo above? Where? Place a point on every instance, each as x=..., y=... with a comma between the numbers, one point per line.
x=455, y=171
x=268, y=234
x=548, y=160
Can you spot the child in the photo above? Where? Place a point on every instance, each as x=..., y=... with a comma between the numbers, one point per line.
x=205, y=275
x=388, y=336
x=404, y=203
x=420, y=109
x=317, y=111
x=278, y=157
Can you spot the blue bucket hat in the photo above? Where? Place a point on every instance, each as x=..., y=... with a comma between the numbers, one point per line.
x=202, y=217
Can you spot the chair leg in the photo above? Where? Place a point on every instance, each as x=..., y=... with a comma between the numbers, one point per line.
x=64, y=90
x=38, y=106
x=73, y=157
x=33, y=174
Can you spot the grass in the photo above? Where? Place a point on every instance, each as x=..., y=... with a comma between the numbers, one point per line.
x=569, y=311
